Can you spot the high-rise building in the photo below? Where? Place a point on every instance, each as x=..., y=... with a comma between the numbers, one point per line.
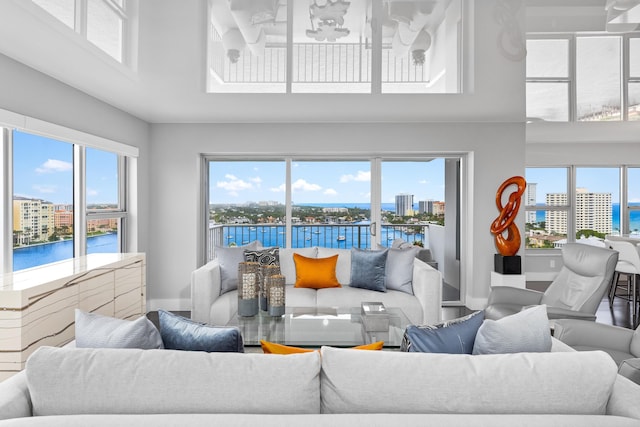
x=33, y=220
x=404, y=204
x=425, y=206
x=593, y=212
x=530, y=200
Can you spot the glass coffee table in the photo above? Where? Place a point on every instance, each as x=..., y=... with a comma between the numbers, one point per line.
x=315, y=327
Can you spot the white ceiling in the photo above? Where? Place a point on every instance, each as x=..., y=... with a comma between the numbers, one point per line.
x=168, y=84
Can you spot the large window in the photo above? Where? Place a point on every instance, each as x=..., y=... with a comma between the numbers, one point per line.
x=584, y=204
x=102, y=22
x=66, y=199
x=583, y=78
x=359, y=46
x=337, y=203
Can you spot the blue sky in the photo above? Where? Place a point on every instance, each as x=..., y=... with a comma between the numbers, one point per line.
x=323, y=181
x=43, y=169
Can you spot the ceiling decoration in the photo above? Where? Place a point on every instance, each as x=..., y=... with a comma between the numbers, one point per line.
x=623, y=15
x=330, y=19
x=511, y=39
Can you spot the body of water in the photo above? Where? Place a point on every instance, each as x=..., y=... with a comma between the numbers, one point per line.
x=32, y=256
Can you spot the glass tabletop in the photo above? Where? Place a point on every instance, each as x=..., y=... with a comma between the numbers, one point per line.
x=315, y=327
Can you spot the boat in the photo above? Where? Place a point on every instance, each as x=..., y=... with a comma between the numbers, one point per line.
x=341, y=239
x=252, y=228
x=316, y=232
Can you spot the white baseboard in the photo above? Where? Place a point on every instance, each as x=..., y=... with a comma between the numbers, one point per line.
x=169, y=304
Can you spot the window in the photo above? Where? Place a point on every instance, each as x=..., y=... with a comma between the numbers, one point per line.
x=53, y=184
x=583, y=78
x=337, y=203
x=603, y=201
x=546, y=207
x=42, y=200
x=105, y=205
x=329, y=47
x=104, y=23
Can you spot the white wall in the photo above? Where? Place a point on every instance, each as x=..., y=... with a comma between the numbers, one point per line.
x=497, y=151
x=31, y=93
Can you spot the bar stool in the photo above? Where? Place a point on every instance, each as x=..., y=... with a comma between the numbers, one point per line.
x=628, y=264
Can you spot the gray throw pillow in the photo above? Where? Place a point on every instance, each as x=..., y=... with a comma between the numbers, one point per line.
x=98, y=331
x=180, y=333
x=368, y=269
x=455, y=336
x=398, y=274
x=524, y=332
x=228, y=259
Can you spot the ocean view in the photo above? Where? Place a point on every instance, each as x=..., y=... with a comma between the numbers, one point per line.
x=634, y=217
x=45, y=253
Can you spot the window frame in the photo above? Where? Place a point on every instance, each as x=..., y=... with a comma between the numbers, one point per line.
x=625, y=78
x=127, y=165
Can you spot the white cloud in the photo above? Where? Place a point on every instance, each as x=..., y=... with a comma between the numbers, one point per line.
x=330, y=192
x=423, y=181
x=234, y=185
x=92, y=192
x=278, y=189
x=361, y=176
x=257, y=180
x=53, y=165
x=302, y=185
x=45, y=189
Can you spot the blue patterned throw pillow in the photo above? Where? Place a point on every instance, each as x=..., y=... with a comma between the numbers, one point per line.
x=455, y=336
x=179, y=333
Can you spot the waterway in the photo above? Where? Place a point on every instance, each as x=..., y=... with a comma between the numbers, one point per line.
x=32, y=256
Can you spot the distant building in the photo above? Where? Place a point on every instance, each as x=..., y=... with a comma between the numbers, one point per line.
x=593, y=212
x=404, y=204
x=431, y=207
x=33, y=220
x=438, y=208
x=335, y=210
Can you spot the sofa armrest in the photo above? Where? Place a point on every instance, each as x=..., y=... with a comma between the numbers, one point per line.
x=205, y=289
x=564, y=313
x=591, y=334
x=624, y=399
x=427, y=287
x=511, y=295
x=15, y=400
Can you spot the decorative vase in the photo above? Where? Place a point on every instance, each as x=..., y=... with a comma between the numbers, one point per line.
x=275, y=294
x=248, y=288
x=266, y=271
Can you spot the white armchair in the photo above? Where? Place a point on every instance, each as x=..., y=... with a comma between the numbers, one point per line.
x=575, y=293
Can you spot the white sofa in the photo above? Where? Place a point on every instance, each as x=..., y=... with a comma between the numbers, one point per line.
x=423, y=307
x=337, y=387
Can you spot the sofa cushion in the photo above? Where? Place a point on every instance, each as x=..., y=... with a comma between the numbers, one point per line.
x=228, y=259
x=97, y=331
x=288, y=266
x=179, y=333
x=367, y=269
x=275, y=348
x=343, y=267
x=66, y=381
x=315, y=273
x=266, y=256
x=398, y=273
x=526, y=331
x=453, y=336
x=519, y=383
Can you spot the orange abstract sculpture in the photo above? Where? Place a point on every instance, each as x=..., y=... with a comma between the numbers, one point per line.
x=508, y=246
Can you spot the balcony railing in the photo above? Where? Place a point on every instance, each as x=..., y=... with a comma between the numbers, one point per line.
x=344, y=236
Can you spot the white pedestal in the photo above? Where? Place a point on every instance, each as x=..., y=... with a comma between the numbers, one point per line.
x=513, y=280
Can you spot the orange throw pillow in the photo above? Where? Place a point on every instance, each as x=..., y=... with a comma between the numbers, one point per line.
x=273, y=348
x=316, y=273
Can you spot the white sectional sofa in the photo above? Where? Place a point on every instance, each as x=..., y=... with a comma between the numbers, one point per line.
x=208, y=305
x=334, y=387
